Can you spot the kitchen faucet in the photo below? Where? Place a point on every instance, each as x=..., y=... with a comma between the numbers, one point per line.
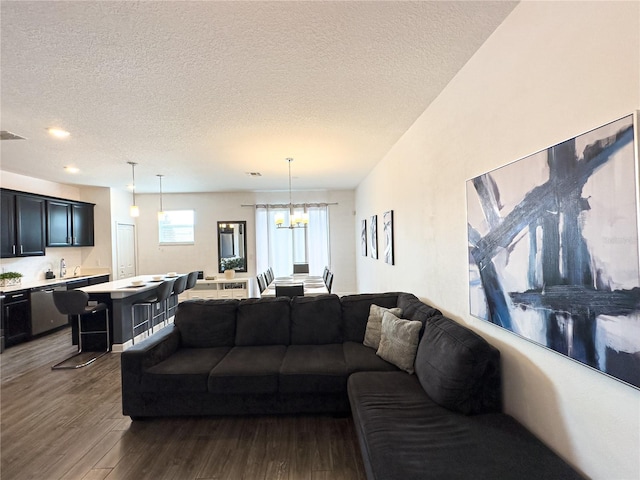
x=63, y=268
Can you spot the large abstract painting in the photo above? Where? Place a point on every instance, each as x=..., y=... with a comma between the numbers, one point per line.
x=553, y=248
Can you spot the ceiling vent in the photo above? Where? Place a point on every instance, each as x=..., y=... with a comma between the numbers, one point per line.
x=4, y=135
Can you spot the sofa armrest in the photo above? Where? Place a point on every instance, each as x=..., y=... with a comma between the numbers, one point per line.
x=142, y=356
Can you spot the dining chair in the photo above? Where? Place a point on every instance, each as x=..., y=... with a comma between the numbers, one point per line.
x=290, y=290
x=76, y=303
x=261, y=282
x=329, y=281
x=300, y=268
x=324, y=274
x=268, y=276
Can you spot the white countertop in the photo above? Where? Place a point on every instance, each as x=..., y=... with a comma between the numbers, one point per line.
x=44, y=283
x=125, y=288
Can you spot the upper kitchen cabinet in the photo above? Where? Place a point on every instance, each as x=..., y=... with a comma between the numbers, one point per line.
x=59, y=220
x=23, y=225
x=8, y=227
x=69, y=224
x=82, y=223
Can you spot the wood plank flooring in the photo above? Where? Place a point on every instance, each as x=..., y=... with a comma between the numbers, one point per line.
x=68, y=424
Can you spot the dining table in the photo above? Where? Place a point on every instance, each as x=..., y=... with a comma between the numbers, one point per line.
x=313, y=285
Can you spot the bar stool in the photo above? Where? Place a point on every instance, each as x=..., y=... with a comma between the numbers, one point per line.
x=75, y=302
x=158, y=296
x=179, y=286
x=192, y=278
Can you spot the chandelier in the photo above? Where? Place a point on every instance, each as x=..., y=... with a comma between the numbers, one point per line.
x=296, y=220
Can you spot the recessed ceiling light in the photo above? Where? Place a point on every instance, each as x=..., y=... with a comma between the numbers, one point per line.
x=71, y=169
x=57, y=132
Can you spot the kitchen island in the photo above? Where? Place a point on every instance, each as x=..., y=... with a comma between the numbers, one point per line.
x=119, y=295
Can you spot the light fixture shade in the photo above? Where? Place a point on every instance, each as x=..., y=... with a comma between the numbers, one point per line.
x=296, y=220
x=134, y=211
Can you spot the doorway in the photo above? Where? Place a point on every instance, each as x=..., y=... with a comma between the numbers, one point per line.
x=126, y=250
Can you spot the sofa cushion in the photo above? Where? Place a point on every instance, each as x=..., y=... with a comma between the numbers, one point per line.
x=414, y=309
x=263, y=321
x=452, y=364
x=360, y=358
x=187, y=370
x=206, y=323
x=399, y=341
x=355, y=312
x=374, y=324
x=313, y=368
x=403, y=434
x=248, y=370
x=316, y=320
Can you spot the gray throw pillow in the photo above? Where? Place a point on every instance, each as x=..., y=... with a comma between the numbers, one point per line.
x=399, y=341
x=372, y=333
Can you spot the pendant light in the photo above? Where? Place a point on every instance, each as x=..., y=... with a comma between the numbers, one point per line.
x=161, y=213
x=134, y=211
x=295, y=221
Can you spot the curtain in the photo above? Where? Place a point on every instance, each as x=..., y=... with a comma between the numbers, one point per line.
x=280, y=248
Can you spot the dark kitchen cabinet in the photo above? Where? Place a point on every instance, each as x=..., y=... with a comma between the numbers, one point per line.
x=8, y=227
x=16, y=317
x=82, y=223
x=69, y=224
x=23, y=220
x=59, y=221
x=30, y=225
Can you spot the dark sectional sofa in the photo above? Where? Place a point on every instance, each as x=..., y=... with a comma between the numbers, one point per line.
x=306, y=355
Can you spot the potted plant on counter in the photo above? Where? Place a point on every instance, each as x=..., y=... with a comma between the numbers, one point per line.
x=9, y=279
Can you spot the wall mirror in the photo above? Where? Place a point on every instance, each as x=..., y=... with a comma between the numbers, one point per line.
x=232, y=246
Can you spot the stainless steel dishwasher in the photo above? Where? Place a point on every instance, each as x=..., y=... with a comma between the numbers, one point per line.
x=44, y=314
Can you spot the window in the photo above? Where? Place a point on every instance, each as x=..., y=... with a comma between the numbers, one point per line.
x=176, y=227
x=280, y=248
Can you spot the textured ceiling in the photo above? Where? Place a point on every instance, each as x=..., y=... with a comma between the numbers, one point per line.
x=204, y=92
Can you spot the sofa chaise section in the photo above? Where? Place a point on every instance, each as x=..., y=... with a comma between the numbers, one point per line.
x=444, y=422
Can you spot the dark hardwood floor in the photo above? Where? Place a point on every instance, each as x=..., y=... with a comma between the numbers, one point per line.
x=68, y=424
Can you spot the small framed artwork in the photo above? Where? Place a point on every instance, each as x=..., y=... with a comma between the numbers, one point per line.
x=387, y=222
x=363, y=238
x=373, y=235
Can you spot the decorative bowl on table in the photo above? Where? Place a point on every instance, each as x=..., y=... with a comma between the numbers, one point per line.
x=172, y=274
x=157, y=278
x=137, y=283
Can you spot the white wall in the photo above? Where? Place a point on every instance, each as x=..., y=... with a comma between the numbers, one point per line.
x=213, y=207
x=551, y=71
